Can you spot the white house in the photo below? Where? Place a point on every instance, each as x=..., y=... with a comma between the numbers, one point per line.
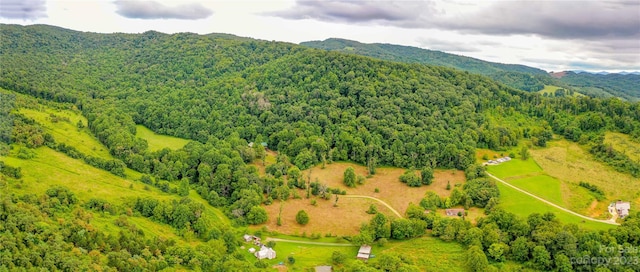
x=622, y=207
x=266, y=253
x=364, y=252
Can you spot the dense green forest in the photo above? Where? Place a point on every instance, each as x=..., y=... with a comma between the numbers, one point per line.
x=625, y=86
x=513, y=75
x=311, y=106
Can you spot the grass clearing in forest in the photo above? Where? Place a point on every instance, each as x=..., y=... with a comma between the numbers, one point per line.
x=159, y=141
x=623, y=143
x=523, y=205
x=63, y=126
x=428, y=253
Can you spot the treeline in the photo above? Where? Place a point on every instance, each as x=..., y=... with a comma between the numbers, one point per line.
x=37, y=234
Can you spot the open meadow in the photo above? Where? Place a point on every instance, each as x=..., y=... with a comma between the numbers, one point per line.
x=159, y=141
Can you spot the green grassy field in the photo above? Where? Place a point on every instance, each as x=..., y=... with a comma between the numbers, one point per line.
x=543, y=186
x=524, y=205
x=158, y=141
x=515, y=168
x=307, y=256
x=428, y=253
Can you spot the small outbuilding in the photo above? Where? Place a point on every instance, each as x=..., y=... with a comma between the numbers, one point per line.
x=324, y=268
x=364, y=252
x=454, y=212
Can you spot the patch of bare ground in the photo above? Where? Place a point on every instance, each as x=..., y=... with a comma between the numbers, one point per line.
x=350, y=213
x=324, y=218
x=387, y=180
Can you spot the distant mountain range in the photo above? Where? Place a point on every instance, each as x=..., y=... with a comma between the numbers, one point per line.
x=625, y=85
x=606, y=73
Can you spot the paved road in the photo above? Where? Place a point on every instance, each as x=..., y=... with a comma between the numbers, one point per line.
x=550, y=203
x=309, y=243
x=376, y=199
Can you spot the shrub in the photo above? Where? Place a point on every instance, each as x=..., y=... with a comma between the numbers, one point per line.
x=302, y=217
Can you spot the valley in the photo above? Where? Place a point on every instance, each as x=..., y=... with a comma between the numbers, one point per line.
x=159, y=152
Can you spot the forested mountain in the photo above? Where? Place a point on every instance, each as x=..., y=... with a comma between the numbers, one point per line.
x=626, y=86
x=514, y=75
x=309, y=105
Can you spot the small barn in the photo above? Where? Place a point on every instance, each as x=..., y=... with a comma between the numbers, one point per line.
x=364, y=252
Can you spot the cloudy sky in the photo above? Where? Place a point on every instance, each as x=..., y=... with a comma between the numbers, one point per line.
x=553, y=35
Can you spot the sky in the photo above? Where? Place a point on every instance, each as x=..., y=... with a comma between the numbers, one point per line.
x=554, y=35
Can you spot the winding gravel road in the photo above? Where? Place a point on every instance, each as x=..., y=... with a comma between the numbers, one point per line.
x=376, y=199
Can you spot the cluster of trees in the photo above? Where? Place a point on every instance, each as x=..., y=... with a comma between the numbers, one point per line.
x=10, y=171
x=410, y=178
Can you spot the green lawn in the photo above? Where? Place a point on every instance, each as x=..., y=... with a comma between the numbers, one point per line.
x=543, y=186
x=524, y=205
x=158, y=141
x=428, y=253
x=515, y=168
